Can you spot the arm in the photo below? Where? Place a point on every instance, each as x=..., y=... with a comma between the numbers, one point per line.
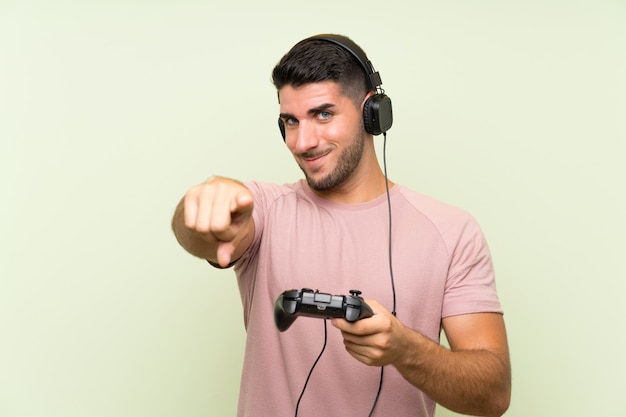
x=213, y=221
x=473, y=377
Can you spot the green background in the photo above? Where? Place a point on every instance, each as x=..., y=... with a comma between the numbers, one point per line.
x=110, y=110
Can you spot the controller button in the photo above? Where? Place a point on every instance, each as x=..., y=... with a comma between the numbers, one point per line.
x=322, y=298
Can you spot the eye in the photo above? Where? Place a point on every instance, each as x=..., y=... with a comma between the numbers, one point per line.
x=290, y=121
x=324, y=115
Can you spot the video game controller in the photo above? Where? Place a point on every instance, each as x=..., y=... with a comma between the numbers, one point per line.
x=293, y=303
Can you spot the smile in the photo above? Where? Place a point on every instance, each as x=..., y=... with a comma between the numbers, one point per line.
x=314, y=159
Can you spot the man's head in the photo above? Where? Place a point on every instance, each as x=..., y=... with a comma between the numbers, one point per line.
x=317, y=60
x=338, y=59
x=325, y=87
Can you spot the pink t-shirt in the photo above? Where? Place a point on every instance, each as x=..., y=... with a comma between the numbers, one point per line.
x=441, y=265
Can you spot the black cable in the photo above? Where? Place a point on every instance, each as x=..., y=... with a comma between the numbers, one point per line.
x=313, y=367
x=393, y=284
x=380, y=387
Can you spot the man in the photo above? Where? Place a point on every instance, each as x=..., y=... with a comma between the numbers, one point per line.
x=332, y=231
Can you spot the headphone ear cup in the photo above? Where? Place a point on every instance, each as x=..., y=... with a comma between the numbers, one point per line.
x=377, y=114
x=369, y=119
x=281, y=126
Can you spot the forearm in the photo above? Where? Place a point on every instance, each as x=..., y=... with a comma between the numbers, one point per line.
x=475, y=382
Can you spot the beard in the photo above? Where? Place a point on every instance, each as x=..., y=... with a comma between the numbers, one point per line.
x=348, y=161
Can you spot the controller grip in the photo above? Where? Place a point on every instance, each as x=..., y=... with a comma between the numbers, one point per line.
x=283, y=313
x=353, y=314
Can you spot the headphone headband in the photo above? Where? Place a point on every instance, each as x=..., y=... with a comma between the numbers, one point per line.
x=373, y=77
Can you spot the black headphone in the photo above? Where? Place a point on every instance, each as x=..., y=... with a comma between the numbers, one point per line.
x=377, y=114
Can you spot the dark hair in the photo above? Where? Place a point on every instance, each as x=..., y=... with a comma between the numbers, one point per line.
x=314, y=60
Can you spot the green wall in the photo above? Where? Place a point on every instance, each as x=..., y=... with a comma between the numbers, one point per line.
x=110, y=110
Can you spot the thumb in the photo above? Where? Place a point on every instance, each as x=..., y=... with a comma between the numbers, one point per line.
x=225, y=253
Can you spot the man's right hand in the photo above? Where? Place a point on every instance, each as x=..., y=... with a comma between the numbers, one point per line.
x=217, y=220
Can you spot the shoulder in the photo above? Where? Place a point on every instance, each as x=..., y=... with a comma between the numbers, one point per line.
x=277, y=201
x=436, y=211
x=270, y=189
x=266, y=193
x=452, y=224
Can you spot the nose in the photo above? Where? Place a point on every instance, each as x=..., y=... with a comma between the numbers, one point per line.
x=304, y=137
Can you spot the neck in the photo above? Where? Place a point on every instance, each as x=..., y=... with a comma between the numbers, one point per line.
x=366, y=183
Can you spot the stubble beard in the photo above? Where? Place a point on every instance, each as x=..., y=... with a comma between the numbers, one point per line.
x=348, y=161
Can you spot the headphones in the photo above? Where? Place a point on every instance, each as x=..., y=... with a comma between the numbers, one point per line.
x=377, y=114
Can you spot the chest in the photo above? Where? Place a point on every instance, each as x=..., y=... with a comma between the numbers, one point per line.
x=338, y=253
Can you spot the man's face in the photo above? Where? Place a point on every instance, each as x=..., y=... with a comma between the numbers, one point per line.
x=324, y=132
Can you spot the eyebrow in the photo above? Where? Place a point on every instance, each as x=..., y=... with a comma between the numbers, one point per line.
x=314, y=110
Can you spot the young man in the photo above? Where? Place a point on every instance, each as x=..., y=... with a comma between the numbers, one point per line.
x=332, y=232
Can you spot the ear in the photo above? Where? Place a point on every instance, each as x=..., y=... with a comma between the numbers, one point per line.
x=367, y=97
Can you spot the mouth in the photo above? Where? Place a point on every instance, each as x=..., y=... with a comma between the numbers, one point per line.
x=314, y=159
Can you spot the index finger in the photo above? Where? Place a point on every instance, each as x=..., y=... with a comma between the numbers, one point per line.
x=242, y=202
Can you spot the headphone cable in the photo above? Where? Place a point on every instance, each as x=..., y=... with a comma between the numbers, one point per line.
x=393, y=284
